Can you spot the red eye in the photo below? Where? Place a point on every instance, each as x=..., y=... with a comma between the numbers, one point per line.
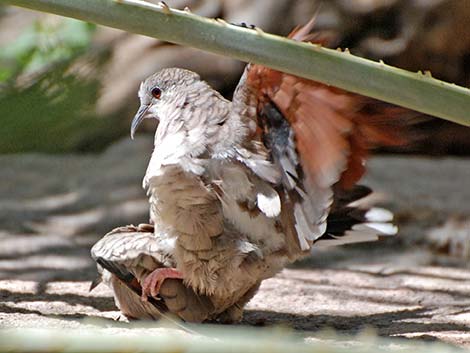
x=156, y=92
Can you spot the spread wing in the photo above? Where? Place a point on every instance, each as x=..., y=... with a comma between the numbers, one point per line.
x=318, y=138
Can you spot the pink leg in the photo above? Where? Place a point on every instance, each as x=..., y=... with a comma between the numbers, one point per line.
x=154, y=281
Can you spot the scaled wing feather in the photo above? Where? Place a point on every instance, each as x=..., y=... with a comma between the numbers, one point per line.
x=332, y=131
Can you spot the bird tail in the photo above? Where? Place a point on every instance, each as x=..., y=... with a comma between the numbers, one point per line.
x=350, y=221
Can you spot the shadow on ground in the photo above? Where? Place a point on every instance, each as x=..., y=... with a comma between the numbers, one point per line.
x=395, y=287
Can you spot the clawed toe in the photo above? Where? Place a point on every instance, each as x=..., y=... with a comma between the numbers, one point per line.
x=153, y=282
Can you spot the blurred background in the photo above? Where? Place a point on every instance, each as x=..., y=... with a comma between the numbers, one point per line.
x=69, y=171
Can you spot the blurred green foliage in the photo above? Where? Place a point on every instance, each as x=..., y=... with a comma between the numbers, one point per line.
x=49, y=85
x=42, y=45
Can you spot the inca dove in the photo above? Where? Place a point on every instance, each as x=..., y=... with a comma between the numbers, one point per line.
x=245, y=187
x=125, y=256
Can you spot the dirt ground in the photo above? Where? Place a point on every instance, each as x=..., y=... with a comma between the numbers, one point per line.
x=53, y=208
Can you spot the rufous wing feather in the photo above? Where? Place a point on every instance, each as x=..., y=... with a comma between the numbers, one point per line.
x=321, y=142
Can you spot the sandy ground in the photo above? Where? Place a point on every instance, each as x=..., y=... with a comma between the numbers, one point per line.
x=53, y=208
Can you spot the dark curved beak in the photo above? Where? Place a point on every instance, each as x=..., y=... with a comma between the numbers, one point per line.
x=95, y=283
x=138, y=118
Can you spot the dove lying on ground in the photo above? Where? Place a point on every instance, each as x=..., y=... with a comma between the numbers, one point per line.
x=126, y=255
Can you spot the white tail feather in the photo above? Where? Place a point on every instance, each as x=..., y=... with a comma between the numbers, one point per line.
x=377, y=214
x=380, y=228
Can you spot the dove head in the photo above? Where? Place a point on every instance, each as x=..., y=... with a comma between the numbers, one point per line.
x=165, y=94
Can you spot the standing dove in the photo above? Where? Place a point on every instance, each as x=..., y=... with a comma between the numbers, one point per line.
x=239, y=189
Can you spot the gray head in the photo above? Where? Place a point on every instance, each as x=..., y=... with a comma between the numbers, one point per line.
x=193, y=117
x=164, y=92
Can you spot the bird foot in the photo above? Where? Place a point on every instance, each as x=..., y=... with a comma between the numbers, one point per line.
x=153, y=282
